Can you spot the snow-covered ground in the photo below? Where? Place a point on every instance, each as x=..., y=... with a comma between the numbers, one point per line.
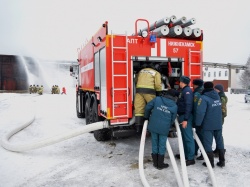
x=82, y=161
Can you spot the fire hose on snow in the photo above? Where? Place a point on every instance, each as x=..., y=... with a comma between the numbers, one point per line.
x=48, y=141
x=203, y=152
x=171, y=155
x=141, y=154
x=103, y=124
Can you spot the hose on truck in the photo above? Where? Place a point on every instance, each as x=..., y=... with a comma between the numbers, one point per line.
x=48, y=141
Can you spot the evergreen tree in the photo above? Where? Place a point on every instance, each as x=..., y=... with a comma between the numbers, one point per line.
x=245, y=77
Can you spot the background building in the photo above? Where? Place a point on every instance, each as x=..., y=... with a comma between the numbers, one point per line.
x=226, y=74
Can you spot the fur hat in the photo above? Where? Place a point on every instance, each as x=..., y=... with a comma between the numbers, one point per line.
x=208, y=85
x=198, y=82
x=219, y=87
x=185, y=79
x=171, y=92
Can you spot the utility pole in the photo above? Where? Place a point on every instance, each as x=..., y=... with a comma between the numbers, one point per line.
x=229, y=77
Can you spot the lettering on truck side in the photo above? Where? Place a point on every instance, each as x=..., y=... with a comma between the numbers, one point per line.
x=181, y=44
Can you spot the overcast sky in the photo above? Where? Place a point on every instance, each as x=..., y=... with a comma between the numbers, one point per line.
x=54, y=29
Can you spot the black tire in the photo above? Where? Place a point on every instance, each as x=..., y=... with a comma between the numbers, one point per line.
x=88, y=111
x=102, y=134
x=79, y=105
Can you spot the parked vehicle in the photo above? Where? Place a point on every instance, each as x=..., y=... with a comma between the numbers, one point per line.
x=247, y=96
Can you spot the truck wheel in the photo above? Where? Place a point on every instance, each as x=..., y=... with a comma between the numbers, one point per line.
x=102, y=134
x=94, y=110
x=245, y=101
x=79, y=105
x=88, y=112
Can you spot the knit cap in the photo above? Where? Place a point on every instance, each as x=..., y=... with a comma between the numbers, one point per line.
x=185, y=79
x=198, y=82
x=208, y=85
x=219, y=87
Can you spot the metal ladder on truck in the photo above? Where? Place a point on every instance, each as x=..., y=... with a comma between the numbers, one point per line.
x=120, y=90
x=195, y=64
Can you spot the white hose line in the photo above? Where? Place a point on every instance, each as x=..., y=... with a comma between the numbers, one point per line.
x=173, y=161
x=204, y=154
x=48, y=141
x=182, y=157
x=141, y=155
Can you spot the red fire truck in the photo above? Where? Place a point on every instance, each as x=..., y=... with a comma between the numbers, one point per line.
x=108, y=63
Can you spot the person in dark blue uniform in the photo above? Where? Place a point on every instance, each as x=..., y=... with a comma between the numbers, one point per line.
x=209, y=118
x=198, y=87
x=161, y=112
x=185, y=107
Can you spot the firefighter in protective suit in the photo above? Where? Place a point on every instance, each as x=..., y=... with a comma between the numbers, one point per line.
x=40, y=90
x=148, y=85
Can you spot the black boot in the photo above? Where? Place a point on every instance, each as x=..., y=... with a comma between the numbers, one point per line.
x=216, y=153
x=210, y=156
x=161, y=164
x=155, y=160
x=200, y=157
x=221, y=162
x=139, y=120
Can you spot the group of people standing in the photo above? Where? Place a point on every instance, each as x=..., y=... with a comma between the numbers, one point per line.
x=203, y=108
x=36, y=89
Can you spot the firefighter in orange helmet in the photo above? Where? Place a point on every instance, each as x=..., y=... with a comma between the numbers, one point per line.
x=148, y=85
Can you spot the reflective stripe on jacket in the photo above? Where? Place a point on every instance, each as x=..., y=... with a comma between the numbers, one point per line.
x=149, y=78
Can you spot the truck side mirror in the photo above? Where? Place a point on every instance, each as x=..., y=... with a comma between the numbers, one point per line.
x=71, y=68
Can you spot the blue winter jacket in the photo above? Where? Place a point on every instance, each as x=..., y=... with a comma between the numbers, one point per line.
x=161, y=112
x=185, y=102
x=208, y=111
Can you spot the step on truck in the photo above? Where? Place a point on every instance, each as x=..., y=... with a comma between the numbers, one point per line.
x=108, y=63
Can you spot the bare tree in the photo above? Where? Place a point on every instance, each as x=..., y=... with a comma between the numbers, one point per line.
x=245, y=77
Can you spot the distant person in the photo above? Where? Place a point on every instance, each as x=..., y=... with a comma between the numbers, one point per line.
x=34, y=88
x=31, y=89
x=63, y=90
x=161, y=112
x=185, y=118
x=37, y=88
x=57, y=89
x=209, y=118
x=220, y=89
x=198, y=88
x=53, y=89
x=40, y=90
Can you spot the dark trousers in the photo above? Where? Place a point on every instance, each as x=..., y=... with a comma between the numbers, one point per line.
x=158, y=143
x=208, y=136
x=187, y=138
